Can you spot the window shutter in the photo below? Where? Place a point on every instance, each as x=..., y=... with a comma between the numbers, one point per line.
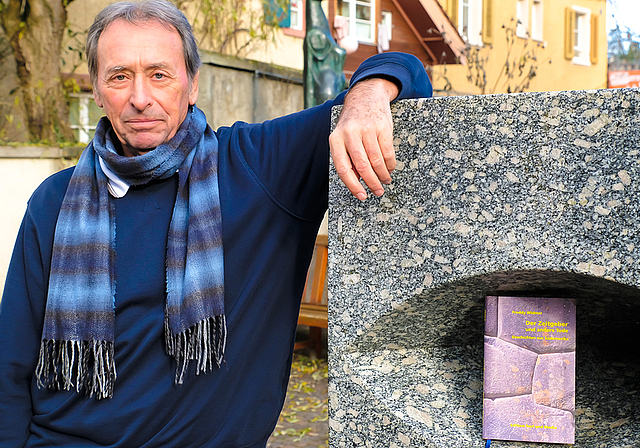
x=487, y=21
x=569, y=32
x=594, y=39
x=278, y=11
x=452, y=8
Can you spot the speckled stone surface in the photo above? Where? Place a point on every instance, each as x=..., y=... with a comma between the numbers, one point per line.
x=528, y=194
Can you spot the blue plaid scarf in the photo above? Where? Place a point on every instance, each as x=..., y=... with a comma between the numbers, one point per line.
x=77, y=348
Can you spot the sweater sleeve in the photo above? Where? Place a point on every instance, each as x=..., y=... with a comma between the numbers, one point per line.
x=20, y=330
x=289, y=156
x=22, y=309
x=405, y=70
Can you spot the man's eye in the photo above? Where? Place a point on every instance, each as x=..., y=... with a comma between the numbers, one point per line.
x=158, y=75
x=119, y=77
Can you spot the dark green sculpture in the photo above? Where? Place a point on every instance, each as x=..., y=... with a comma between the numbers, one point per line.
x=323, y=59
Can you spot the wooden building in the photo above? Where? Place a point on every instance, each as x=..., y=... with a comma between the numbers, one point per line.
x=419, y=27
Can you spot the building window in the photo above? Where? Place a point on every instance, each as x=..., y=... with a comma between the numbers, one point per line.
x=536, y=20
x=470, y=21
x=288, y=14
x=296, y=13
x=464, y=20
x=581, y=36
x=522, y=19
x=360, y=14
x=387, y=22
x=84, y=115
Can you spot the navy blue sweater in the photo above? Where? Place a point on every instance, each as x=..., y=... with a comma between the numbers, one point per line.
x=273, y=185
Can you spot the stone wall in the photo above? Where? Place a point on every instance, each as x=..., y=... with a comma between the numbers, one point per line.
x=529, y=194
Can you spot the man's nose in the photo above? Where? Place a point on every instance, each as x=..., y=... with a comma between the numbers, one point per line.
x=141, y=97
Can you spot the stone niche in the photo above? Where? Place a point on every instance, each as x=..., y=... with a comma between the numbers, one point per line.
x=526, y=194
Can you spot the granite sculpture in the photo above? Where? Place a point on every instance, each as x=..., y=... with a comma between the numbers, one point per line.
x=532, y=194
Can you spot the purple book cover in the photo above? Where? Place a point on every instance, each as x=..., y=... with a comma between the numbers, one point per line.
x=529, y=369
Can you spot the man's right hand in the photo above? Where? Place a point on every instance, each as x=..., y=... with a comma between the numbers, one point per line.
x=362, y=142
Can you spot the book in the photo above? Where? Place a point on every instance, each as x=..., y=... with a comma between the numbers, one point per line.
x=529, y=369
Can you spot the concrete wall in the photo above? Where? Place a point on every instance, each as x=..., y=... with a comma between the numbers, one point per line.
x=233, y=89
x=21, y=171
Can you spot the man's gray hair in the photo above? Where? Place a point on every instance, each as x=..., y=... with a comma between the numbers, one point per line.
x=137, y=13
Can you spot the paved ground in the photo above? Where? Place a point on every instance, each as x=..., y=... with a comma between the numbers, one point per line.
x=303, y=422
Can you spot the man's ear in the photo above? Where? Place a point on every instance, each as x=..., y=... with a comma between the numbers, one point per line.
x=193, y=93
x=96, y=97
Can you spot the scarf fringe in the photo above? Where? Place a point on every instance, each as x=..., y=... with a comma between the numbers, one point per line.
x=204, y=342
x=88, y=365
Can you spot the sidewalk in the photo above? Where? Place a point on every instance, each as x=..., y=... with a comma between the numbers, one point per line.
x=303, y=422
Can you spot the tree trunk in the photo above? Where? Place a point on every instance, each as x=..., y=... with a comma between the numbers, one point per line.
x=35, y=29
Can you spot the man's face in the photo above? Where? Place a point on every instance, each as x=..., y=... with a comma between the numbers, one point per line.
x=142, y=84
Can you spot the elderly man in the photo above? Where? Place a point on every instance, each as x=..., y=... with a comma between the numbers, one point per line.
x=172, y=250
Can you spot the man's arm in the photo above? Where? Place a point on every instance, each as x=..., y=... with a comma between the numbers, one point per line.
x=22, y=309
x=362, y=142
x=288, y=156
x=19, y=343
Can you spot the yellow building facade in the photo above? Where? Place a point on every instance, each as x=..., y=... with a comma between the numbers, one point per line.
x=526, y=45
x=284, y=48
